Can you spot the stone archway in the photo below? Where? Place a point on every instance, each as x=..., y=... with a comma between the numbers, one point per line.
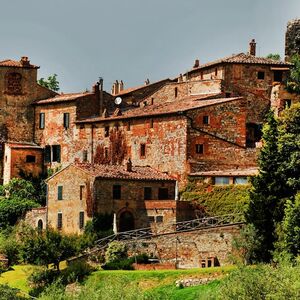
x=126, y=221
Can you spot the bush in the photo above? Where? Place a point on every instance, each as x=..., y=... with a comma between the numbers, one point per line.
x=43, y=277
x=122, y=264
x=76, y=271
x=261, y=282
x=115, y=251
x=9, y=246
x=6, y=292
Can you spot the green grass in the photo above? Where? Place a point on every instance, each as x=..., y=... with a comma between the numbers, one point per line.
x=162, y=282
x=17, y=277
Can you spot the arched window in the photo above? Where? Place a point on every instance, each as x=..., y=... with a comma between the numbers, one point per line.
x=13, y=83
x=40, y=225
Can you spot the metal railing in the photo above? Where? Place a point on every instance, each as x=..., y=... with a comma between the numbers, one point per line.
x=146, y=233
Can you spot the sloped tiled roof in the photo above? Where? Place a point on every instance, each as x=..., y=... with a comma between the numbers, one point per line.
x=63, y=98
x=118, y=172
x=243, y=58
x=165, y=108
x=16, y=64
x=20, y=145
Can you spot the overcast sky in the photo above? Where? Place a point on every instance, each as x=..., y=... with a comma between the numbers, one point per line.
x=132, y=40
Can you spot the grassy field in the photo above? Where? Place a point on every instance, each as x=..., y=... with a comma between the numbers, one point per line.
x=158, y=283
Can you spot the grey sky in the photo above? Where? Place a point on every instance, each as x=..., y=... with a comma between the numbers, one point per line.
x=136, y=39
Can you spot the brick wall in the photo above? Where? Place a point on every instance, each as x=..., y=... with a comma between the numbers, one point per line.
x=189, y=249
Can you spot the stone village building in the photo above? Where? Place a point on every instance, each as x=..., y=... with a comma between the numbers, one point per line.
x=206, y=122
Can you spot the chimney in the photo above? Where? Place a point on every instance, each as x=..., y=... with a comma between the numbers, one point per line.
x=129, y=165
x=96, y=91
x=115, y=88
x=252, y=47
x=147, y=81
x=180, y=78
x=121, y=86
x=196, y=64
x=25, y=61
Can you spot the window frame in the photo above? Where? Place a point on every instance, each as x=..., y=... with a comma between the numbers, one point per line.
x=42, y=120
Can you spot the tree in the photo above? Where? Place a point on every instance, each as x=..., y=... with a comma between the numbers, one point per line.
x=51, y=83
x=293, y=81
x=279, y=177
x=274, y=56
x=47, y=247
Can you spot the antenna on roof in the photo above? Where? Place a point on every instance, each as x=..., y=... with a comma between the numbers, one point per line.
x=118, y=100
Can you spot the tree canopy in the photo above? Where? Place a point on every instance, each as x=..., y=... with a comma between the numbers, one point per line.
x=51, y=83
x=293, y=81
x=274, y=56
x=278, y=180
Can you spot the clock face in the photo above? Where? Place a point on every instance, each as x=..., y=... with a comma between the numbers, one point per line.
x=14, y=83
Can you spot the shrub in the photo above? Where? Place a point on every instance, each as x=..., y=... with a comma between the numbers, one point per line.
x=43, y=277
x=76, y=271
x=9, y=246
x=6, y=292
x=115, y=251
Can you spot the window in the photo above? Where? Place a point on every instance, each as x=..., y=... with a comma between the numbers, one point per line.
x=151, y=123
x=106, y=153
x=176, y=92
x=240, y=180
x=40, y=225
x=59, y=192
x=66, y=120
x=128, y=126
x=42, y=121
x=147, y=193
x=216, y=71
x=199, y=148
x=221, y=180
x=84, y=155
x=163, y=194
x=287, y=103
x=143, y=150
x=59, y=220
x=227, y=94
x=116, y=191
x=47, y=154
x=261, y=75
x=201, y=75
x=106, y=131
x=81, y=192
x=253, y=134
x=151, y=219
x=278, y=76
x=56, y=153
x=81, y=220
x=205, y=120
x=30, y=158
x=159, y=219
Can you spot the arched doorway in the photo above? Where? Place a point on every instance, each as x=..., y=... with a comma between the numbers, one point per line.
x=126, y=221
x=40, y=225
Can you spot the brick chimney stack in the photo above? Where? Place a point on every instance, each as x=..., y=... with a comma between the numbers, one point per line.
x=117, y=87
x=252, y=47
x=196, y=64
x=25, y=61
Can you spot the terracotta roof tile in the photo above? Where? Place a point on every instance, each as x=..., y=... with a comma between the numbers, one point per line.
x=16, y=64
x=182, y=105
x=120, y=172
x=243, y=58
x=63, y=98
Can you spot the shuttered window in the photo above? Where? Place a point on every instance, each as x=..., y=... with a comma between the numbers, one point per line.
x=81, y=220
x=59, y=220
x=47, y=153
x=42, y=121
x=66, y=120
x=56, y=153
x=59, y=192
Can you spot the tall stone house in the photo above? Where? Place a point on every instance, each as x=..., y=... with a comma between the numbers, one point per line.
x=206, y=122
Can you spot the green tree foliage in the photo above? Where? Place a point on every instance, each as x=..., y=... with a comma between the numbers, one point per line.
x=47, y=247
x=278, y=179
x=51, y=83
x=290, y=229
x=293, y=81
x=16, y=197
x=264, y=209
x=274, y=56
